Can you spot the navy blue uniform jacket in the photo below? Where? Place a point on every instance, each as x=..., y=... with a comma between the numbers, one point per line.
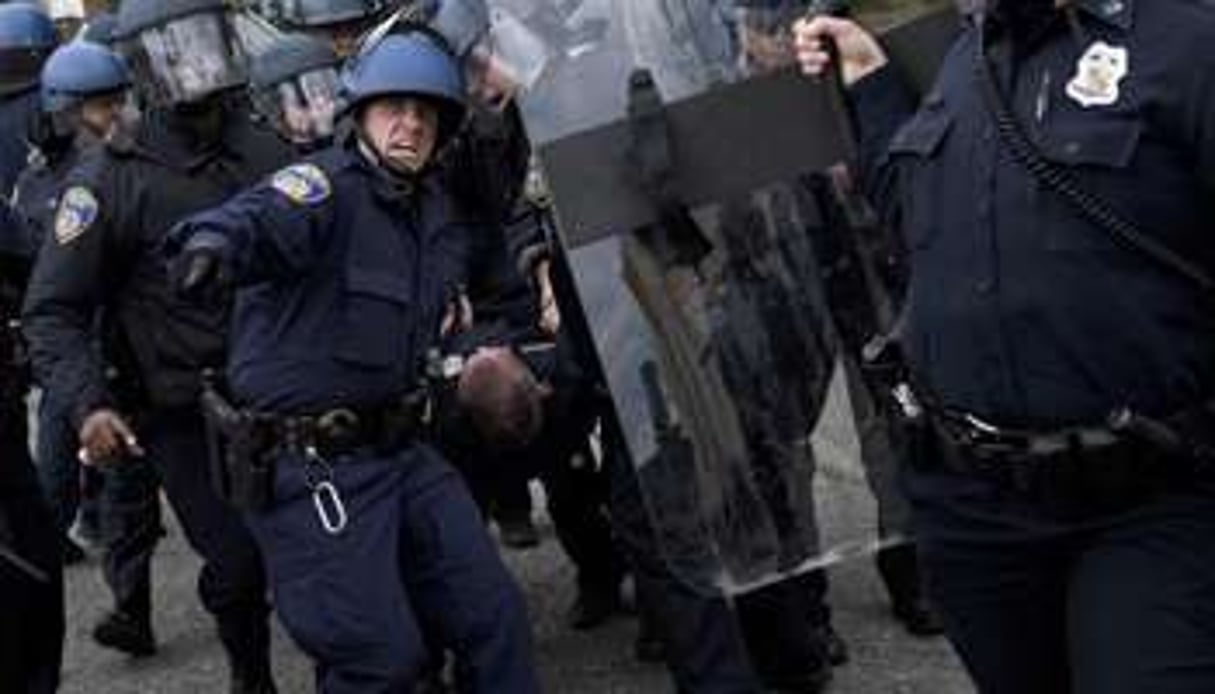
x=1017, y=308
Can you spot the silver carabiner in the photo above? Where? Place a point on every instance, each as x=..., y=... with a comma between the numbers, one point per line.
x=329, y=507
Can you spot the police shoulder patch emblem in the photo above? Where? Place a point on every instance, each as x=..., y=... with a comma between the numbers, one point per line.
x=303, y=184
x=77, y=211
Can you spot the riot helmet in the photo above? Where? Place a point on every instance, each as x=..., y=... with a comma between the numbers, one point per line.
x=27, y=37
x=414, y=63
x=499, y=54
x=85, y=85
x=315, y=14
x=340, y=22
x=79, y=70
x=294, y=86
x=180, y=51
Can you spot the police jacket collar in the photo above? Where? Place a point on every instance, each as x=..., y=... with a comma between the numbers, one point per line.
x=388, y=185
x=1120, y=13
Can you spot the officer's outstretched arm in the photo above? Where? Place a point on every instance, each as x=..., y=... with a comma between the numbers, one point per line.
x=274, y=231
x=65, y=292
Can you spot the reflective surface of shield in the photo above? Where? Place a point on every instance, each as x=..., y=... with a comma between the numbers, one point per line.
x=709, y=315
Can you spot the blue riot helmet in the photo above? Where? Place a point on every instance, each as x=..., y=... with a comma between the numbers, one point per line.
x=83, y=85
x=294, y=86
x=27, y=37
x=500, y=54
x=459, y=23
x=80, y=70
x=322, y=13
x=414, y=63
x=180, y=51
x=341, y=22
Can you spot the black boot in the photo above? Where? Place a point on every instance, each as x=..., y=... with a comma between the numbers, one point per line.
x=251, y=682
x=593, y=607
x=245, y=634
x=518, y=533
x=900, y=571
x=126, y=633
x=250, y=673
x=835, y=649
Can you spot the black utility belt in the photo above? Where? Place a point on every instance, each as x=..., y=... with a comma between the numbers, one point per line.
x=1185, y=435
x=989, y=441
x=342, y=430
x=331, y=433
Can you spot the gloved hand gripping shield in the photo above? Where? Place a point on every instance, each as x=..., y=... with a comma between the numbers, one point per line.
x=305, y=107
x=295, y=86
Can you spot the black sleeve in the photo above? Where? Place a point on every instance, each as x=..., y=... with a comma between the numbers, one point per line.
x=883, y=103
x=14, y=247
x=1199, y=115
x=65, y=296
x=488, y=164
x=493, y=284
x=527, y=239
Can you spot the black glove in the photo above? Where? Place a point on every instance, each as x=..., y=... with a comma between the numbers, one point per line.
x=199, y=274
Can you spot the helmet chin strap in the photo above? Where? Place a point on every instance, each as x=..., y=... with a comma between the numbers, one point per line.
x=392, y=183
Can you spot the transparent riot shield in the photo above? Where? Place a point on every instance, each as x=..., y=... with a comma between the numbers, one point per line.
x=681, y=147
x=255, y=33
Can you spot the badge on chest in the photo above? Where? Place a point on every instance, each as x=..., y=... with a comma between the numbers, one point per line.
x=1099, y=75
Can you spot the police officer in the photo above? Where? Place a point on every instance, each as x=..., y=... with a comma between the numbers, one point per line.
x=31, y=580
x=27, y=37
x=348, y=264
x=1054, y=190
x=294, y=86
x=192, y=149
x=84, y=88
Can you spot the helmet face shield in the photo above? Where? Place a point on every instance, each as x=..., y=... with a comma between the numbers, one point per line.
x=302, y=109
x=188, y=59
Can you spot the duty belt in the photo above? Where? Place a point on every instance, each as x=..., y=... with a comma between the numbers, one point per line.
x=1080, y=469
x=344, y=429
x=991, y=441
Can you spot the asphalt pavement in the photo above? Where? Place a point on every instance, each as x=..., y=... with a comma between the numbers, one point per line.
x=884, y=659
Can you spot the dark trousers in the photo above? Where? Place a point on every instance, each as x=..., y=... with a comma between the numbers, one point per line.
x=59, y=470
x=577, y=502
x=413, y=567
x=1049, y=598
x=704, y=643
x=232, y=583
x=31, y=610
x=779, y=628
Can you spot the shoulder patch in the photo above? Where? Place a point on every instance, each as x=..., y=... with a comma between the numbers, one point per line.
x=303, y=184
x=77, y=212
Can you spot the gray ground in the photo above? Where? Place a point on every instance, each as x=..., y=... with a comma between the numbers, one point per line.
x=884, y=659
